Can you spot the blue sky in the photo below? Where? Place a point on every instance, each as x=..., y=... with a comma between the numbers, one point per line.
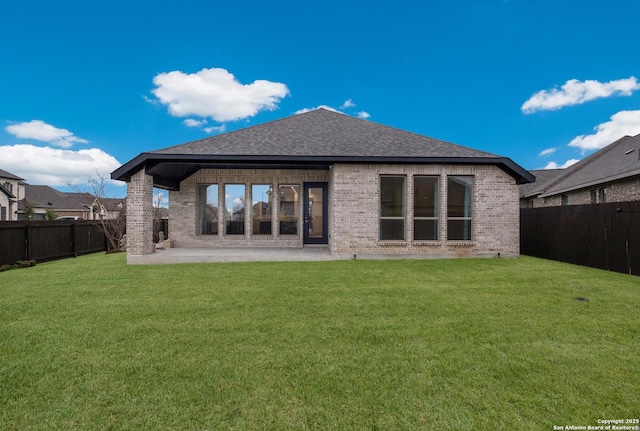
x=88, y=85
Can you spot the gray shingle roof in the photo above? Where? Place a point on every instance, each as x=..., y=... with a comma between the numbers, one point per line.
x=39, y=196
x=47, y=197
x=544, y=178
x=618, y=160
x=311, y=140
x=323, y=133
x=9, y=175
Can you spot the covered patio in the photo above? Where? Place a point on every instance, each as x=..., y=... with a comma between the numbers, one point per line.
x=255, y=254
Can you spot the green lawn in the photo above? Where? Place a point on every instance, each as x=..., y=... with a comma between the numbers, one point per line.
x=91, y=343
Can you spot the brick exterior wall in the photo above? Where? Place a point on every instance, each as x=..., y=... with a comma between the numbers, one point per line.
x=353, y=207
x=140, y=215
x=355, y=201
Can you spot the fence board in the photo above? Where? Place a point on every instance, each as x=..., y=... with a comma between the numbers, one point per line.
x=48, y=240
x=605, y=236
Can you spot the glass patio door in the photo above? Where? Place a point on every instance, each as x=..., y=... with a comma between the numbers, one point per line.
x=315, y=213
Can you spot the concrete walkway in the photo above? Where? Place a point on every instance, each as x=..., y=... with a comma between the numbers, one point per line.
x=238, y=254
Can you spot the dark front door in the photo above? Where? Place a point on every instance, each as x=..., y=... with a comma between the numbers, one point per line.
x=315, y=213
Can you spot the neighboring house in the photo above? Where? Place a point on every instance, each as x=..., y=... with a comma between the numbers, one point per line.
x=327, y=178
x=11, y=191
x=609, y=175
x=38, y=199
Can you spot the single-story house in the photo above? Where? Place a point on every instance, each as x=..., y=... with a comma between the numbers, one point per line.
x=321, y=177
x=611, y=174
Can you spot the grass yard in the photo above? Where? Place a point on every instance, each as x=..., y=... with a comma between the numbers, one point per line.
x=93, y=344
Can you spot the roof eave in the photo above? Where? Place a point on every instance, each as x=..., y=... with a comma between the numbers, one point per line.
x=125, y=172
x=592, y=183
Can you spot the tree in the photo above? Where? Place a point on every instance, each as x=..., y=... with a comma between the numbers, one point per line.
x=28, y=210
x=109, y=216
x=50, y=214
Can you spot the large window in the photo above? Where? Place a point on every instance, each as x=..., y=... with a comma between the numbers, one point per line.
x=289, y=209
x=234, y=209
x=392, y=208
x=261, y=198
x=459, y=206
x=425, y=208
x=208, y=209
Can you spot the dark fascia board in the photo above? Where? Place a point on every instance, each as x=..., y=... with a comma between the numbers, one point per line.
x=125, y=172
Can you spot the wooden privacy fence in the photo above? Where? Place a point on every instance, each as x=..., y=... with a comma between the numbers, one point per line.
x=605, y=236
x=48, y=240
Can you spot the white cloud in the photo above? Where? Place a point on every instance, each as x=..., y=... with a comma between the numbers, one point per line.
x=363, y=115
x=216, y=129
x=41, y=131
x=554, y=165
x=190, y=122
x=575, y=92
x=303, y=110
x=202, y=125
x=217, y=94
x=56, y=167
x=547, y=152
x=348, y=104
x=621, y=124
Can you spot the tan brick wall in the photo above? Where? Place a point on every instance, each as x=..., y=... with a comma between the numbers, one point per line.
x=624, y=191
x=140, y=214
x=354, y=210
x=354, y=225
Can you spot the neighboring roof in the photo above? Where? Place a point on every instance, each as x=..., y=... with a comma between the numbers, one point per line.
x=616, y=161
x=544, y=177
x=9, y=175
x=47, y=197
x=314, y=139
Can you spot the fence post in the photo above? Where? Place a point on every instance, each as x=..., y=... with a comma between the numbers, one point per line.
x=29, y=241
x=74, y=239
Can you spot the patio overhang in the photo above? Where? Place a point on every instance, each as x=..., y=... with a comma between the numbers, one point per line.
x=169, y=170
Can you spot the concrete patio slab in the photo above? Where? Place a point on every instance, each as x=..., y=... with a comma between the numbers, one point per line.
x=237, y=254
